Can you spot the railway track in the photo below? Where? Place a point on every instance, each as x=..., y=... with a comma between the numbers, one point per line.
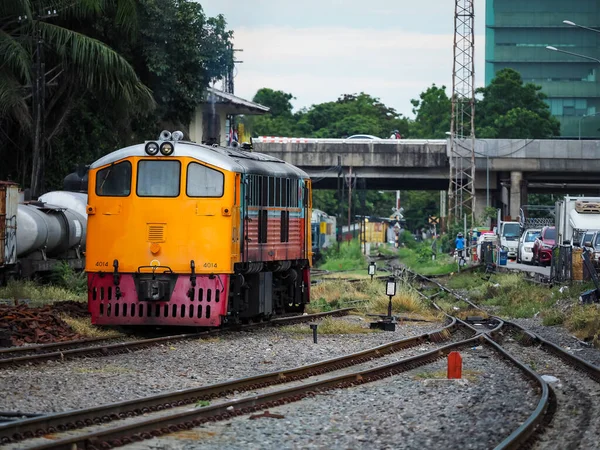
x=573, y=399
x=50, y=424
x=128, y=422
x=61, y=351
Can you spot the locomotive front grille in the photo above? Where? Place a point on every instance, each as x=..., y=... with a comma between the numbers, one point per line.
x=156, y=232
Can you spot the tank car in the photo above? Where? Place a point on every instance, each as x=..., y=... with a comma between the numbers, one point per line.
x=35, y=236
x=186, y=234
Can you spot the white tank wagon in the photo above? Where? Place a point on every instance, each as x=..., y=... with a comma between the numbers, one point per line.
x=38, y=235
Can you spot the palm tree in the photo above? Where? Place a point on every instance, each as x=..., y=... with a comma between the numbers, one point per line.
x=45, y=66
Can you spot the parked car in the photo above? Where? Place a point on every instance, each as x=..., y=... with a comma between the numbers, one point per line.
x=363, y=136
x=525, y=251
x=542, y=248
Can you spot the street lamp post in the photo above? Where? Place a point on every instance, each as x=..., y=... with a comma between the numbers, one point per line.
x=554, y=49
x=573, y=24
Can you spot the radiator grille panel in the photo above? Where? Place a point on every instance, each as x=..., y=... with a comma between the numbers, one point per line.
x=156, y=232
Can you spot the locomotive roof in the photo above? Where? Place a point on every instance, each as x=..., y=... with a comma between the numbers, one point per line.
x=226, y=158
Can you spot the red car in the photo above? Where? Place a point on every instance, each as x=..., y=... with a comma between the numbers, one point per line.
x=542, y=248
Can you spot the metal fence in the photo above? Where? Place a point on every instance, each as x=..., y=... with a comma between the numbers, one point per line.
x=561, y=269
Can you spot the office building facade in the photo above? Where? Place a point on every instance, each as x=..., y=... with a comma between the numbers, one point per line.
x=517, y=33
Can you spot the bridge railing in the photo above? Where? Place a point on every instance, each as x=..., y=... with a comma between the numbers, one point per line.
x=295, y=140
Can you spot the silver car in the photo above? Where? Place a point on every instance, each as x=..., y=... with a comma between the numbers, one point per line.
x=525, y=251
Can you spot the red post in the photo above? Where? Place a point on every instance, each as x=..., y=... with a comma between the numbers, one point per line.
x=454, y=365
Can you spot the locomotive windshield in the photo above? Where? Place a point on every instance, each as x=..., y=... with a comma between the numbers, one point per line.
x=203, y=181
x=158, y=178
x=114, y=180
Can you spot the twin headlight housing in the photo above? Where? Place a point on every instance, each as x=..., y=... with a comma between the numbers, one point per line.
x=164, y=145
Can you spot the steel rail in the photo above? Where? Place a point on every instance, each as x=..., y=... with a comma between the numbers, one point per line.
x=122, y=347
x=39, y=426
x=522, y=435
x=591, y=370
x=182, y=420
x=53, y=345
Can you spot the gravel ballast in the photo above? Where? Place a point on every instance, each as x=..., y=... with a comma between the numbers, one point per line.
x=418, y=409
x=81, y=383
x=561, y=336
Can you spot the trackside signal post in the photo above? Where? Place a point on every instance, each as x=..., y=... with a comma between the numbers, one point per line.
x=388, y=323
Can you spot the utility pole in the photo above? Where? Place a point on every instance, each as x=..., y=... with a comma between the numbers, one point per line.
x=349, y=196
x=38, y=104
x=462, y=123
x=228, y=87
x=340, y=198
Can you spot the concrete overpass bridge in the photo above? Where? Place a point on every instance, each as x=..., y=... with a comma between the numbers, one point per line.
x=506, y=169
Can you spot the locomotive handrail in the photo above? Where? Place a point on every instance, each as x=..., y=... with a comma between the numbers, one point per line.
x=167, y=269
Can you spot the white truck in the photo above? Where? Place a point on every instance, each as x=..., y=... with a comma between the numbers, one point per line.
x=576, y=216
x=509, y=234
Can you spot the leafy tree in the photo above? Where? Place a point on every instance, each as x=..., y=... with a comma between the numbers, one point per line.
x=279, y=121
x=418, y=206
x=91, y=107
x=432, y=111
x=353, y=114
x=278, y=102
x=36, y=99
x=178, y=53
x=510, y=109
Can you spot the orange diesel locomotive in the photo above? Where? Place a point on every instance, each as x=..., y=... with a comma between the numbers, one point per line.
x=186, y=234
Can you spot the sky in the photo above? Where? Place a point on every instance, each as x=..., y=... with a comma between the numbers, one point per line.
x=318, y=50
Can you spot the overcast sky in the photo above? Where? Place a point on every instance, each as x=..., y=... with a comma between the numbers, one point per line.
x=318, y=50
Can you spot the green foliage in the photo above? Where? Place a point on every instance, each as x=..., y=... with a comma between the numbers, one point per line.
x=75, y=63
x=350, y=114
x=418, y=206
x=407, y=239
x=424, y=252
x=278, y=102
x=348, y=257
x=510, y=109
x=64, y=276
x=553, y=317
x=417, y=260
x=432, y=111
x=182, y=51
x=108, y=74
x=39, y=294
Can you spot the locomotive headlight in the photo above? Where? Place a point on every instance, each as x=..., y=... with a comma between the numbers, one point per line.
x=166, y=148
x=151, y=148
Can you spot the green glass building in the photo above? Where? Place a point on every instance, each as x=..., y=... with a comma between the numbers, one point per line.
x=517, y=33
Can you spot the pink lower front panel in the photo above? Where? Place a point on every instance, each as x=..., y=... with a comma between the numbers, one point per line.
x=205, y=308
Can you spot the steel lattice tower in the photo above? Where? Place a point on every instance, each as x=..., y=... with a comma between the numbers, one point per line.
x=462, y=125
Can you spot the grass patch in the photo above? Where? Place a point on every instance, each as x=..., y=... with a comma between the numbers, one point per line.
x=369, y=298
x=39, y=294
x=514, y=297
x=553, y=317
x=419, y=260
x=471, y=375
x=348, y=257
x=330, y=325
x=84, y=327
x=584, y=321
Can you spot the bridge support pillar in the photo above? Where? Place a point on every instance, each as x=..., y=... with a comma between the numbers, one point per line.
x=480, y=204
x=518, y=193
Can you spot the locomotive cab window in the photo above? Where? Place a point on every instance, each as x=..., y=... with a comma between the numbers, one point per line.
x=158, y=178
x=203, y=181
x=114, y=181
